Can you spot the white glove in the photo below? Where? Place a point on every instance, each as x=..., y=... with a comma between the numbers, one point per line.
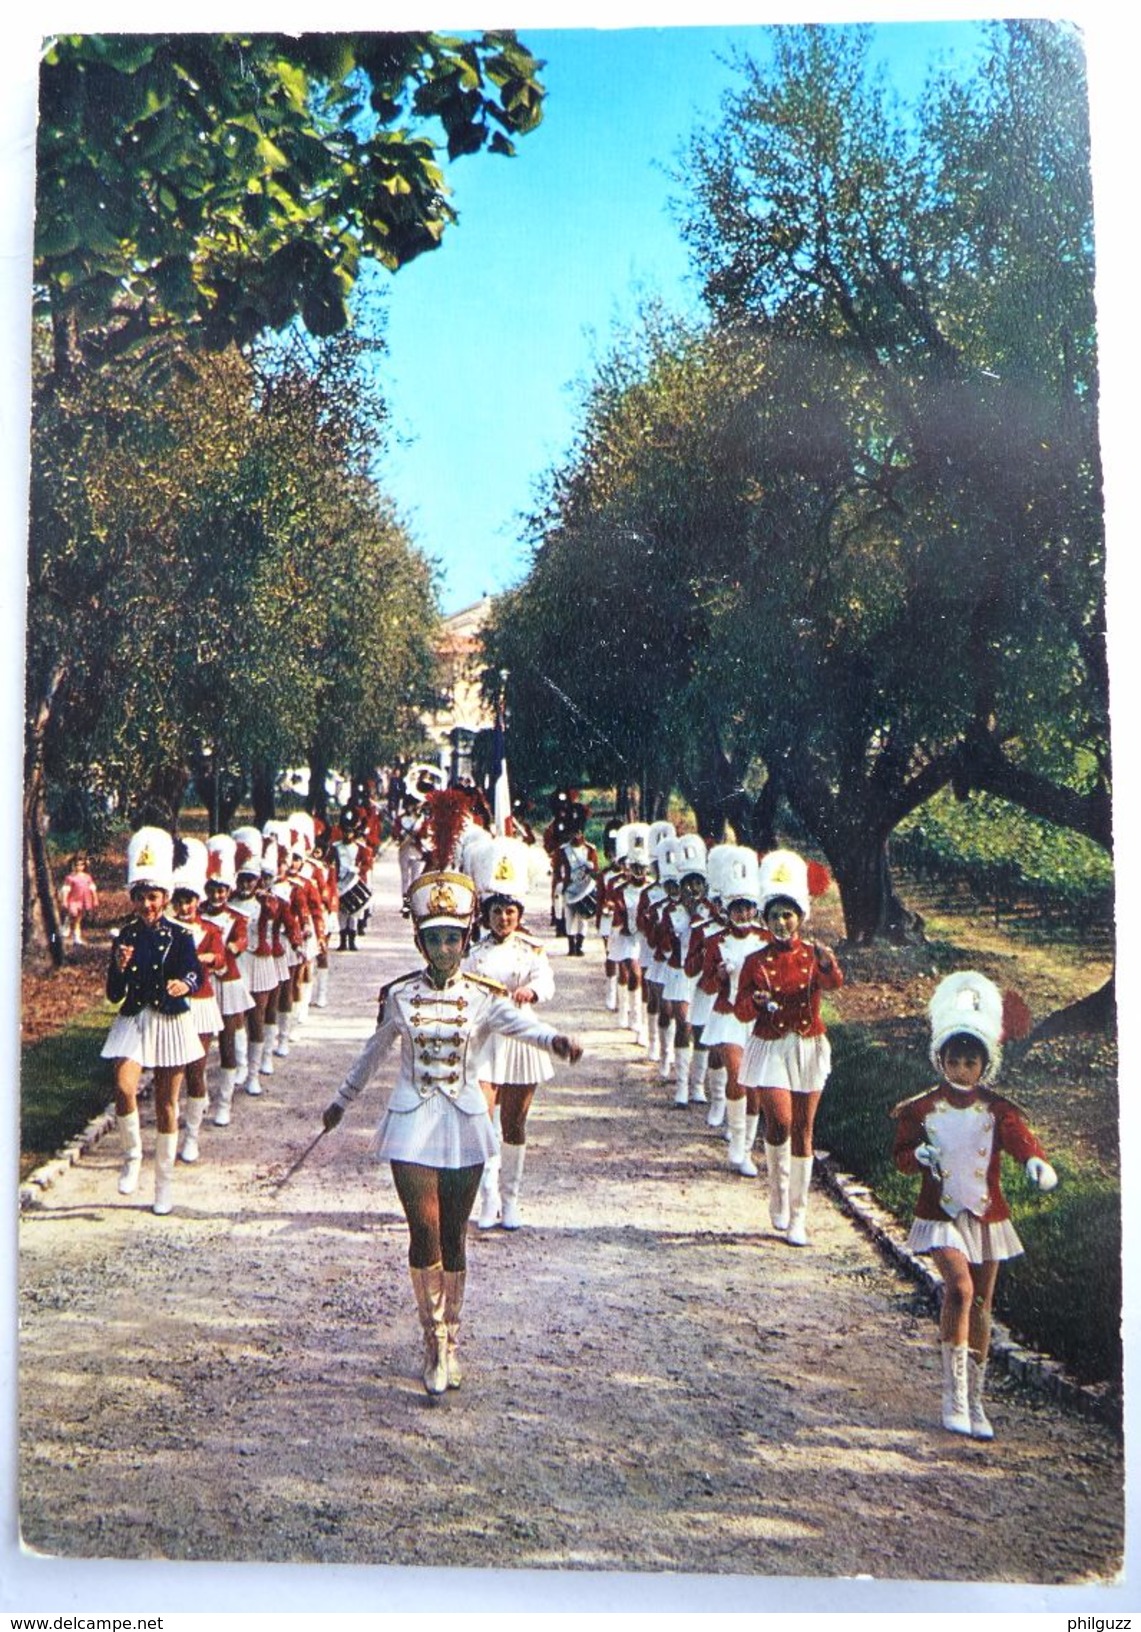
x=1041, y=1173
x=928, y=1156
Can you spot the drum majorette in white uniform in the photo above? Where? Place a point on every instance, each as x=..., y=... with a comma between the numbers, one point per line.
x=234, y=998
x=724, y=1032
x=152, y=975
x=189, y=887
x=509, y=1070
x=675, y=926
x=788, y=1056
x=576, y=876
x=955, y=1135
x=435, y=1130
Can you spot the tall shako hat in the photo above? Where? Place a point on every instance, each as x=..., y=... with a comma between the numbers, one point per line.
x=475, y=840
x=270, y=858
x=638, y=849
x=500, y=869
x=658, y=832
x=441, y=898
x=740, y=880
x=150, y=858
x=691, y=855
x=247, y=850
x=191, y=862
x=222, y=859
x=715, y=864
x=785, y=875
x=303, y=832
x=279, y=832
x=665, y=859
x=422, y=780
x=622, y=842
x=968, y=1004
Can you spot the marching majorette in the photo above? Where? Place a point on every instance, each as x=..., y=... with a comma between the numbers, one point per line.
x=555, y=834
x=152, y=975
x=350, y=855
x=287, y=941
x=675, y=927
x=661, y=888
x=622, y=946
x=188, y=888
x=509, y=1070
x=724, y=1033
x=435, y=1130
x=707, y=922
x=234, y=998
x=954, y=1135
x=610, y=879
x=258, y=963
x=788, y=1057
x=576, y=877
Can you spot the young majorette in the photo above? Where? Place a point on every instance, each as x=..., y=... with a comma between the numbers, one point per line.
x=435, y=1130
x=788, y=1056
x=709, y=922
x=258, y=963
x=611, y=880
x=152, y=975
x=234, y=999
x=725, y=1033
x=955, y=1135
x=510, y=1070
x=675, y=927
x=576, y=876
x=189, y=883
x=622, y=946
x=655, y=894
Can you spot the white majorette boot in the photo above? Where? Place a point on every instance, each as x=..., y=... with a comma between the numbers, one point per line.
x=195, y=1114
x=683, y=1067
x=454, y=1282
x=165, y=1146
x=241, y=1056
x=638, y=1019
x=799, y=1179
x=511, y=1182
x=253, y=1069
x=281, y=1046
x=131, y=1139
x=612, y=992
x=653, y=1038
x=956, y=1405
x=777, y=1159
x=698, y=1074
x=976, y=1377
x=669, y=1050
x=716, y=1114
x=624, y=1007
x=748, y=1166
x=490, y=1205
x=227, y=1077
x=735, y=1121
x=428, y=1285
x=321, y=987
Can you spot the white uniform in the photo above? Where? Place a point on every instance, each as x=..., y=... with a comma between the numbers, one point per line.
x=517, y=961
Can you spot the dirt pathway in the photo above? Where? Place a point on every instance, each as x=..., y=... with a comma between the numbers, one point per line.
x=653, y=1381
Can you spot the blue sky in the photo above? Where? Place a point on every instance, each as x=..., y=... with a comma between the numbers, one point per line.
x=488, y=334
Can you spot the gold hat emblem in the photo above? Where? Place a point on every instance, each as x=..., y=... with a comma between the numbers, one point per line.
x=503, y=868
x=145, y=857
x=442, y=900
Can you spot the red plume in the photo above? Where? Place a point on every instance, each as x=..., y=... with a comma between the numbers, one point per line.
x=1016, y=1017
x=819, y=878
x=448, y=810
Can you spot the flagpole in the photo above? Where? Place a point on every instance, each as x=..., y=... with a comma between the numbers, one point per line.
x=501, y=789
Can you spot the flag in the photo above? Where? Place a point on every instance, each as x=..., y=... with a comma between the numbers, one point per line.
x=500, y=787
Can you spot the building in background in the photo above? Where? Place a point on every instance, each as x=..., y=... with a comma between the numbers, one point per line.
x=461, y=712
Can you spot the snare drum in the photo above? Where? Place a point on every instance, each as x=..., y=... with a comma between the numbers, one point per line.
x=356, y=897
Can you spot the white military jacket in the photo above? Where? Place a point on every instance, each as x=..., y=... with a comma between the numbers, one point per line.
x=441, y=1032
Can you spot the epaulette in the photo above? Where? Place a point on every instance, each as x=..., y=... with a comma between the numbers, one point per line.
x=529, y=941
x=487, y=983
x=914, y=1100
x=382, y=995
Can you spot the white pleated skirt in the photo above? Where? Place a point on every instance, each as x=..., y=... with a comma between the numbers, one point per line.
x=436, y=1134
x=800, y=1064
x=206, y=1015
x=259, y=971
x=679, y=987
x=701, y=1006
x=621, y=948
x=507, y=1059
x=982, y=1243
x=725, y=1028
x=234, y=996
x=155, y=1041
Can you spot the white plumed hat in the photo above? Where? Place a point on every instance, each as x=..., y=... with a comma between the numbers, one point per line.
x=638, y=847
x=150, y=858
x=740, y=880
x=660, y=831
x=222, y=859
x=501, y=867
x=715, y=864
x=441, y=898
x=190, y=873
x=665, y=859
x=247, y=853
x=691, y=855
x=786, y=875
x=968, y=1003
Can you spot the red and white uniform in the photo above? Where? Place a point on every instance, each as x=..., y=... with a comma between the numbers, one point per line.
x=725, y=955
x=778, y=997
x=204, y=1009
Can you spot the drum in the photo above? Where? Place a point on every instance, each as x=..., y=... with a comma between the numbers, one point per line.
x=356, y=897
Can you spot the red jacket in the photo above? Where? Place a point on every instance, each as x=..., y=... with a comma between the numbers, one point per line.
x=779, y=989
x=1010, y=1133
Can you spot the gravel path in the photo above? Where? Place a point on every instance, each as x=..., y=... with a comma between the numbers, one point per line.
x=654, y=1382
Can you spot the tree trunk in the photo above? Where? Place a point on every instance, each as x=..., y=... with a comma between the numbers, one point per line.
x=262, y=791
x=39, y=886
x=1095, y=1013
x=872, y=909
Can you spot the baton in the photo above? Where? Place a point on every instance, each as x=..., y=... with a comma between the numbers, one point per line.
x=290, y=1171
